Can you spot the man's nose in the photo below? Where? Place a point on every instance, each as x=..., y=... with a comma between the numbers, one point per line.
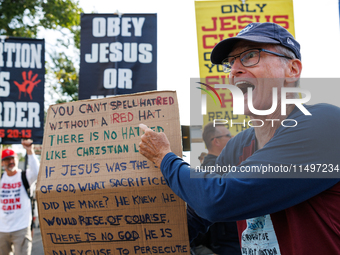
x=237, y=67
x=236, y=70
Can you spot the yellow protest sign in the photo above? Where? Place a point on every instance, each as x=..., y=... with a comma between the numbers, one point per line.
x=218, y=20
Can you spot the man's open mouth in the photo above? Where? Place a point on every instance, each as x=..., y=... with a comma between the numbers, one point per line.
x=244, y=85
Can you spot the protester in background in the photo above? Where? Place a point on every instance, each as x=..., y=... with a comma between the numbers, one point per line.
x=283, y=216
x=201, y=157
x=15, y=204
x=215, y=139
x=222, y=237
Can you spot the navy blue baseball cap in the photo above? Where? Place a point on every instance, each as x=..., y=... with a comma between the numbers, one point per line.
x=256, y=32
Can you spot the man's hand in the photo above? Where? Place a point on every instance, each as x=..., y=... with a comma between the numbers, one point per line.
x=154, y=146
x=28, y=146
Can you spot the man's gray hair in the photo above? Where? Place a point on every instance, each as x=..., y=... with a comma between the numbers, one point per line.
x=287, y=52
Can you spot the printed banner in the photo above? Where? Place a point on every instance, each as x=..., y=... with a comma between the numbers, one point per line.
x=118, y=54
x=218, y=20
x=22, y=78
x=96, y=193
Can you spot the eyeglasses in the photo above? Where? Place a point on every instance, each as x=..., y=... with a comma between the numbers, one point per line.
x=248, y=58
x=227, y=135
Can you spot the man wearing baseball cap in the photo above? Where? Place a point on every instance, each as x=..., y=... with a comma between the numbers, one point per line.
x=290, y=215
x=15, y=204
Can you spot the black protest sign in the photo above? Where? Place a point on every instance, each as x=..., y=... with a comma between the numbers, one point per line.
x=118, y=54
x=22, y=71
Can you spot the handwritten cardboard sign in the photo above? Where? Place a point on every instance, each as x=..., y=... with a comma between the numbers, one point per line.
x=96, y=193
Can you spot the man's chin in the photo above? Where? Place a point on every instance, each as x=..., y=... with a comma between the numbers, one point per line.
x=11, y=169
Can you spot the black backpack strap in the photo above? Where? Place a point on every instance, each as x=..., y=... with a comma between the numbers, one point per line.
x=27, y=188
x=25, y=182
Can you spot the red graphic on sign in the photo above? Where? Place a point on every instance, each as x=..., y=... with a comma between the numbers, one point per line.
x=28, y=84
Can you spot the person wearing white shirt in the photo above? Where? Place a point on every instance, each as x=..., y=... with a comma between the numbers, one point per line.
x=15, y=204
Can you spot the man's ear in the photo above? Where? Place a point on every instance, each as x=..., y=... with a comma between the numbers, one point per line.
x=217, y=143
x=293, y=71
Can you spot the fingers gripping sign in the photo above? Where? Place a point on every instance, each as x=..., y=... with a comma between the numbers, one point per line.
x=154, y=146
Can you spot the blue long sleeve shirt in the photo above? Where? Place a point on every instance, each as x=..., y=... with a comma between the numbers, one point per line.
x=240, y=195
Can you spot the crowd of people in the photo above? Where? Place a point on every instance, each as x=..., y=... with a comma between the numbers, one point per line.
x=235, y=212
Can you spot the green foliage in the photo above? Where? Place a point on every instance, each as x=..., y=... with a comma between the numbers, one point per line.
x=13, y=16
x=25, y=18
x=67, y=76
